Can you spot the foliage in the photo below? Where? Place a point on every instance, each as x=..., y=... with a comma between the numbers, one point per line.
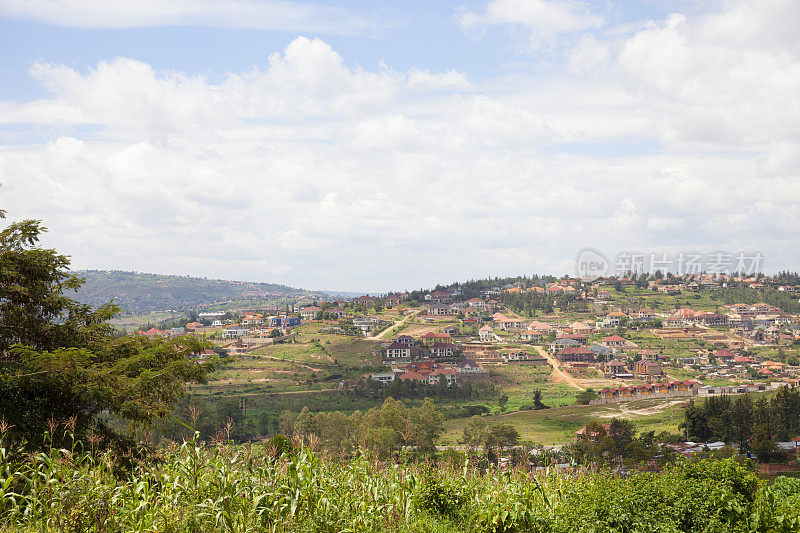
x=750, y=424
x=60, y=359
x=273, y=487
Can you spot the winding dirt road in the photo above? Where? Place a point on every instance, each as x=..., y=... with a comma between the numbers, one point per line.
x=398, y=323
x=557, y=374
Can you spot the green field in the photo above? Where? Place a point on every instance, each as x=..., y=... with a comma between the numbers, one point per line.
x=558, y=425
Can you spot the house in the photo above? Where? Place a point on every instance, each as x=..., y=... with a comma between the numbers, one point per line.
x=645, y=312
x=614, y=367
x=177, y=331
x=470, y=367
x=406, y=340
x=541, y=326
x=395, y=299
x=414, y=376
x=234, y=331
x=531, y=335
x=649, y=355
x=449, y=375
x=337, y=312
x=712, y=319
x=253, y=320
x=592, y=435
x=310, y=313
x=560, y=344
x=442, y=350
x=396, y=350
x=580, y=327
x=673, y=321
x=440, y=309
x=430, y=339
x=439, y=297
x=451, y=330
x=607, y=322
x=724, y=356
x=153, y=332
x=486, y=333
x=194, y=325
x=383, y=377
x=506, y=323
x=601, y=352
x=477, y=303
x=614, y=341
x=577, y=337
x=364, y=324
x=577, y=354
x=645, y=368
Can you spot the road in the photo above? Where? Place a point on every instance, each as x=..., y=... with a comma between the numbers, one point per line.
x=398, y=323
x=557, y=374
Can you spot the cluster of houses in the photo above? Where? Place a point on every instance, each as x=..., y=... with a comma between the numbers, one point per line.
x=432, y=372
x=647, y=391
x=429, y=346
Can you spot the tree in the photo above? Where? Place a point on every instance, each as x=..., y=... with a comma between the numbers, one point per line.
x=502, y=401
x=537, y=400
x=60, y=359
x=586, y=396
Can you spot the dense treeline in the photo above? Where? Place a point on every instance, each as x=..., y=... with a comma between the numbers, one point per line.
x=274, y=488
x=753, y=425
x=409, y=389
x=137, y=292
x=785, y=301
x=385, y=430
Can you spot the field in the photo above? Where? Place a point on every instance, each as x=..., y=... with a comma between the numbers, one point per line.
x=558, y=425
x=273, y=488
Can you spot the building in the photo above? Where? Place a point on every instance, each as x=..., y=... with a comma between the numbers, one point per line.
x=614, y=367
x=648, y=391
x=449, y=375
x=575, y=354
x=442, y=350
x=614, y=341
x=486, y=333
x=429, y=339
x=310, y=313
x=470, y=367
x=647, y=369
x=396, y=350
x=406, y=340
x=440, y=309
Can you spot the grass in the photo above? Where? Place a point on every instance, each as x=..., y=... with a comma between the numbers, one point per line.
x=237, y=489
x=558, y=425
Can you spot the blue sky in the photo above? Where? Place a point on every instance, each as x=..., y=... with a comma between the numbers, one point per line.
x=374, y=146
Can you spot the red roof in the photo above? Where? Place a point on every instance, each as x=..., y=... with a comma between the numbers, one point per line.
x=614, y=338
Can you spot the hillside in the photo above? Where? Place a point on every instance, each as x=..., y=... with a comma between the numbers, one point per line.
x=139, y=293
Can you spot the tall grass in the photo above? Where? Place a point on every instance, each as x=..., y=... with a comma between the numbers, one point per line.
x=197, y=488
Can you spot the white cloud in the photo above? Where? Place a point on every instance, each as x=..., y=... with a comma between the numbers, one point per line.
x=311, y=172
x=283, y=15
x=544, y=19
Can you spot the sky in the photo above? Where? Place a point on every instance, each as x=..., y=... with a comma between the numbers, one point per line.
x=374, y=146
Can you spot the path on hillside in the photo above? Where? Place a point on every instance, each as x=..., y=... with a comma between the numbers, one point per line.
x=557, y=374
x=396, y=324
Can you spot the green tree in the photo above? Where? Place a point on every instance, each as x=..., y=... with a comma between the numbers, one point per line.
x=502, y=401
x=62, y=360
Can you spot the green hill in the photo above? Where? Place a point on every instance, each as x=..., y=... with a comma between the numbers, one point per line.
x=140, y=293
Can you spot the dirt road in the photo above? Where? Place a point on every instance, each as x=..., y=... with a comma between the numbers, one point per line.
x=398, y=323
x=557, y=374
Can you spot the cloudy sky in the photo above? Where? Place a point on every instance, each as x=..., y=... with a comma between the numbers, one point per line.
x=366, y=145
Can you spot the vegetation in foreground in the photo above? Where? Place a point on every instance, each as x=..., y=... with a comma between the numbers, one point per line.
x=270, y=487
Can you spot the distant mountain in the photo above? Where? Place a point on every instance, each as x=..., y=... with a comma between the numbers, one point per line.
x=139, y=293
